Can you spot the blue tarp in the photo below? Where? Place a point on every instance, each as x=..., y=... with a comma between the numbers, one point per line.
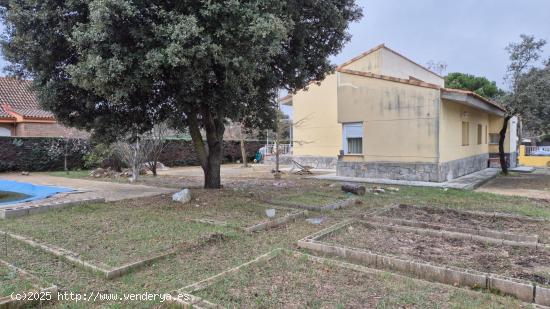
x=34, y=192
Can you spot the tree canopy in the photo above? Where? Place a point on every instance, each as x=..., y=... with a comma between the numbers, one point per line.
x=529, y=83
x=119, y=66
x=478, y=84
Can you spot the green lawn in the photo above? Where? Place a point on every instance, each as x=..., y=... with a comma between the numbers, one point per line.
x=312, y=198
x=12, y=281
x=116, y=233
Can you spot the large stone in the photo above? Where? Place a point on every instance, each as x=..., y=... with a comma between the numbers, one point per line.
x=183, y=196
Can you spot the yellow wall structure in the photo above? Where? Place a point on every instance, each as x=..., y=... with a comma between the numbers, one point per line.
x=399, y=120
x=316, y=128
x=371, y=62
x=538, y=161
x=395, y=65
x=452, y=115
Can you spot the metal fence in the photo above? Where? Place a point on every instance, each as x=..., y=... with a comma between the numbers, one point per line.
x=534, y=150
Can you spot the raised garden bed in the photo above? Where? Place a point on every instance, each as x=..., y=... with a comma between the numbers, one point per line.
x=19, y=288
x=520, y=271
x=289, y=279
x=242, y=213
x=109, y=236
x=316, y=201
x=516, y=228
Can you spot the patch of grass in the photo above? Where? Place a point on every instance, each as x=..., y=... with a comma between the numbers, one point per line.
x=312, y=198
x=236, y=211
x=291, y=281
x=12, y=281
x=115, y=233
x=71, y=174
x=459, y=199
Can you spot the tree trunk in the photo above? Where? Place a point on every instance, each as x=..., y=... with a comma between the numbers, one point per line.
x=243, y=148
x=135, y=163
x=212, y=176
x=65, y=154
x=154, y=168
x=502, y=138
x=211, y=157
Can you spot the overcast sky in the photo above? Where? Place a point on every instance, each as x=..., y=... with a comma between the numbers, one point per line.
x=468, y=35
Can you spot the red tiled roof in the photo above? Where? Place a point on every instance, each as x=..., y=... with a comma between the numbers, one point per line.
x=4, y=115
x=17, y=97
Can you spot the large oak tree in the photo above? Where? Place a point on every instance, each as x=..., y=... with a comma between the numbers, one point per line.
x=119, y=66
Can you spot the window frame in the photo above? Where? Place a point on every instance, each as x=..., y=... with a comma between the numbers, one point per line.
x=352, y=130
x=497, y=138
x=479, y=134
x=465, y=135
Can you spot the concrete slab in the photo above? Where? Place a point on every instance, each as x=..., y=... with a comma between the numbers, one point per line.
x=467, y=182
x=523, y=169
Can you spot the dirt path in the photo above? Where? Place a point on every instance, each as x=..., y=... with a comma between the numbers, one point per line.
x=533, y=185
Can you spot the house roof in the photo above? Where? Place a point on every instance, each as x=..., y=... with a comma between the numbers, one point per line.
x=383, y=46
x=410, y=81
x=18, y=101
x=474, y=95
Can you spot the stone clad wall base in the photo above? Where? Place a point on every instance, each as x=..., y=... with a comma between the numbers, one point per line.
x=430, y=172
x=386, y=170
x=314, y=161
x=456, y=168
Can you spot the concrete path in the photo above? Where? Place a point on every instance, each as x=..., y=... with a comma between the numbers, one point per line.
x=467, y=182
x=109, y=190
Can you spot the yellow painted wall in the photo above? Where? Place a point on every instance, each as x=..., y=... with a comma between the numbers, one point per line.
x=450, y=139
x=316, y=129
x=538, y=161
x=399, y=120
x=397, y=66
x=369, y=63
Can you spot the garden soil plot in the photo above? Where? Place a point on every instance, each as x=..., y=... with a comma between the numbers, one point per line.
x=510, y=261
x=114, y=234
x=287, y=279
x=471, y=221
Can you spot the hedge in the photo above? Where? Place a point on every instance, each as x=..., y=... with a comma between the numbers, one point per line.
x=34, y=153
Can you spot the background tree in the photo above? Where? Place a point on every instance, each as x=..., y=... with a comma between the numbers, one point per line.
x=478, y=84
x=120, y=66
x=527, y=95
x=156, y=143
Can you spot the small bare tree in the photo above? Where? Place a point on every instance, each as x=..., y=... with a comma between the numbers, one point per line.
x=155, y=142
x=64, y=147
x=133, y=153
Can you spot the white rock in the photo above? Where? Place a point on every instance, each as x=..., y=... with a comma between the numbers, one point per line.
x=184, y=196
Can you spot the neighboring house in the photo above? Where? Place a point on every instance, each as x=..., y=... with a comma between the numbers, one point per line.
x=381, y=115
x=21, y=115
